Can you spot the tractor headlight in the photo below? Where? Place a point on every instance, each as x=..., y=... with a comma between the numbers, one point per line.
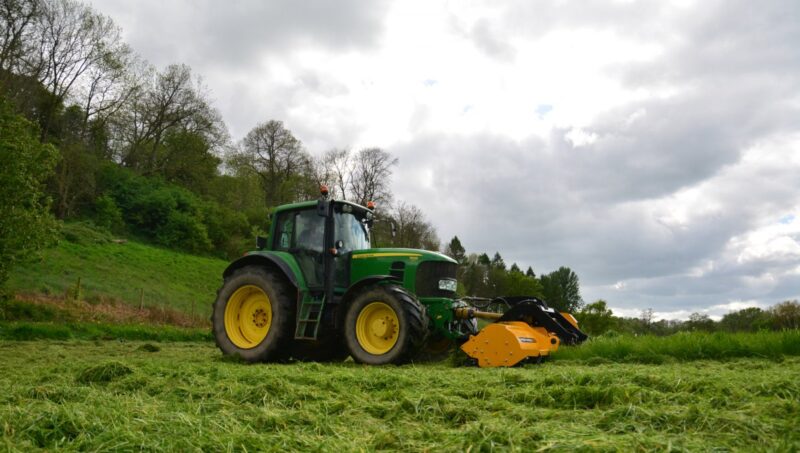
x=448, y=284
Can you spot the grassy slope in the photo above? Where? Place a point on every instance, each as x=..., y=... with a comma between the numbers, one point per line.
x=117, y=396
x=119, y=271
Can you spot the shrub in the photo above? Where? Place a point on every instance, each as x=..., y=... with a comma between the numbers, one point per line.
x=107, y=214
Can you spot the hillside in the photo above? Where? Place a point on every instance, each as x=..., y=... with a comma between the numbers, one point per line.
x=112, y=269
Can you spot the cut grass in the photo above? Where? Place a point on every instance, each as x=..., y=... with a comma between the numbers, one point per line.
x=116, y=396
x=108, y=269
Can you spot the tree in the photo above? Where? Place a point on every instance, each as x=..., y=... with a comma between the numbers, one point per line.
x=497, y=261
x=413, y=230
x=515, y=268
x=786, y=315
x=530, y=272
x=74, y=179
x=168, y=102
x=72, y=40
x=17, y=18
x=561, y=289
x=188, y=161
x=595, y=318
x=701, y=322
x=519, y=284
x=26, y=224
x=455, y=250
x=334, y=169
x=748, y=319
x=278, y=158
x=474, y=277
x=372, y=171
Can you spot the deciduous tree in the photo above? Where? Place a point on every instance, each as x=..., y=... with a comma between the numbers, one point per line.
x=26, y=224
x=562, y=289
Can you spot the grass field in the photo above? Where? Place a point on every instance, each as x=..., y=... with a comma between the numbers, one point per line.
x=116, y=395
x=119, y=271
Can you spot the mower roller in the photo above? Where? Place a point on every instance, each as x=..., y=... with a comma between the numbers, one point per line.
x=315, y=289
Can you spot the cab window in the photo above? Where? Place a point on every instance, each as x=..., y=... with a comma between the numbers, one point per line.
x=300, y=230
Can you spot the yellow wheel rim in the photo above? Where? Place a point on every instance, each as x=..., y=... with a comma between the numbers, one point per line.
x=248, y=316
x=377, y=328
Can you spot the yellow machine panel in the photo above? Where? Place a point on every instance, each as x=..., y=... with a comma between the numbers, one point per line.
x=508, y=343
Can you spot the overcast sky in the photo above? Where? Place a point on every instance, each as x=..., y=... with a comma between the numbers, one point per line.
x=653, y=147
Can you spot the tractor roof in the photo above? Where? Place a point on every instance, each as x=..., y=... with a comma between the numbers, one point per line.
x=312, y=204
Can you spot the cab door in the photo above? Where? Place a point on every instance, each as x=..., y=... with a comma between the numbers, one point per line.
x=302, y=233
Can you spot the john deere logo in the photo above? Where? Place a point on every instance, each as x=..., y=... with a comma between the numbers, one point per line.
x=526, y=340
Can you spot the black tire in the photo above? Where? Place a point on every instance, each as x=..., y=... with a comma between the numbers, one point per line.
x=413, y=325
x=276, y=345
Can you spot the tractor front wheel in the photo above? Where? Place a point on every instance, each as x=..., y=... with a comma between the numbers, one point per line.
x=385, y=324
x=253, y=316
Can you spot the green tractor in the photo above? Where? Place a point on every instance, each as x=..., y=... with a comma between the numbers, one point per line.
x=316, y=290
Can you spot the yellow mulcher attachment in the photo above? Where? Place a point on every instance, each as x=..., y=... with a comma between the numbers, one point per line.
x=528, y=331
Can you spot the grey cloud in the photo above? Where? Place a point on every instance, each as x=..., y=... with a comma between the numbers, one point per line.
x=240, y=33
x=486, y=39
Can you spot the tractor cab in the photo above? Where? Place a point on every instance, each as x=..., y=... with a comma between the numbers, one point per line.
x=321, y=237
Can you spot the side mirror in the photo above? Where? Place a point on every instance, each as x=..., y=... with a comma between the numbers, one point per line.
x=339, y=244
x=394, y=229
x=261, y=242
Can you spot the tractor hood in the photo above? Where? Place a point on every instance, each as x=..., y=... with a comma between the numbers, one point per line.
x=400, y=254
x=427, y=274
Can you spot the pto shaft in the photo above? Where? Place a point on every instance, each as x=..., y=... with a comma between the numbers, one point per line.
x=469, y=313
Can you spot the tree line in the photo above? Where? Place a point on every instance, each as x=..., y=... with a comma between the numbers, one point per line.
x=597, y=319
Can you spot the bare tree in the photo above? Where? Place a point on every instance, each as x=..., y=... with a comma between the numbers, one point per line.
x=372, y=170
x=17, y=18
x=278, y=158
x=167, y=102
x=413, y=230
x=109, y=85
x=338, y=162
x=72, y=39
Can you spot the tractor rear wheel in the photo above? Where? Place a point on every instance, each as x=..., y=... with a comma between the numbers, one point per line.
x=385, y=324
x=253, y=316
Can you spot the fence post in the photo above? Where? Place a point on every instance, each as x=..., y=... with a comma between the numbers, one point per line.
x=141, y=299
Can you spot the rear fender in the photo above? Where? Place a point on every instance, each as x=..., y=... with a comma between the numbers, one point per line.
x=268, y=260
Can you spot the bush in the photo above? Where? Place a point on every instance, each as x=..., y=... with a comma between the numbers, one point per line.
x=108, y=215
x=185, y=232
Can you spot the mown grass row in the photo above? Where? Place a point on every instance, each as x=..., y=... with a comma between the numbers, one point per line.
x=620, y=349
x=184, y=397
x=25, y=331
x=685, y=346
